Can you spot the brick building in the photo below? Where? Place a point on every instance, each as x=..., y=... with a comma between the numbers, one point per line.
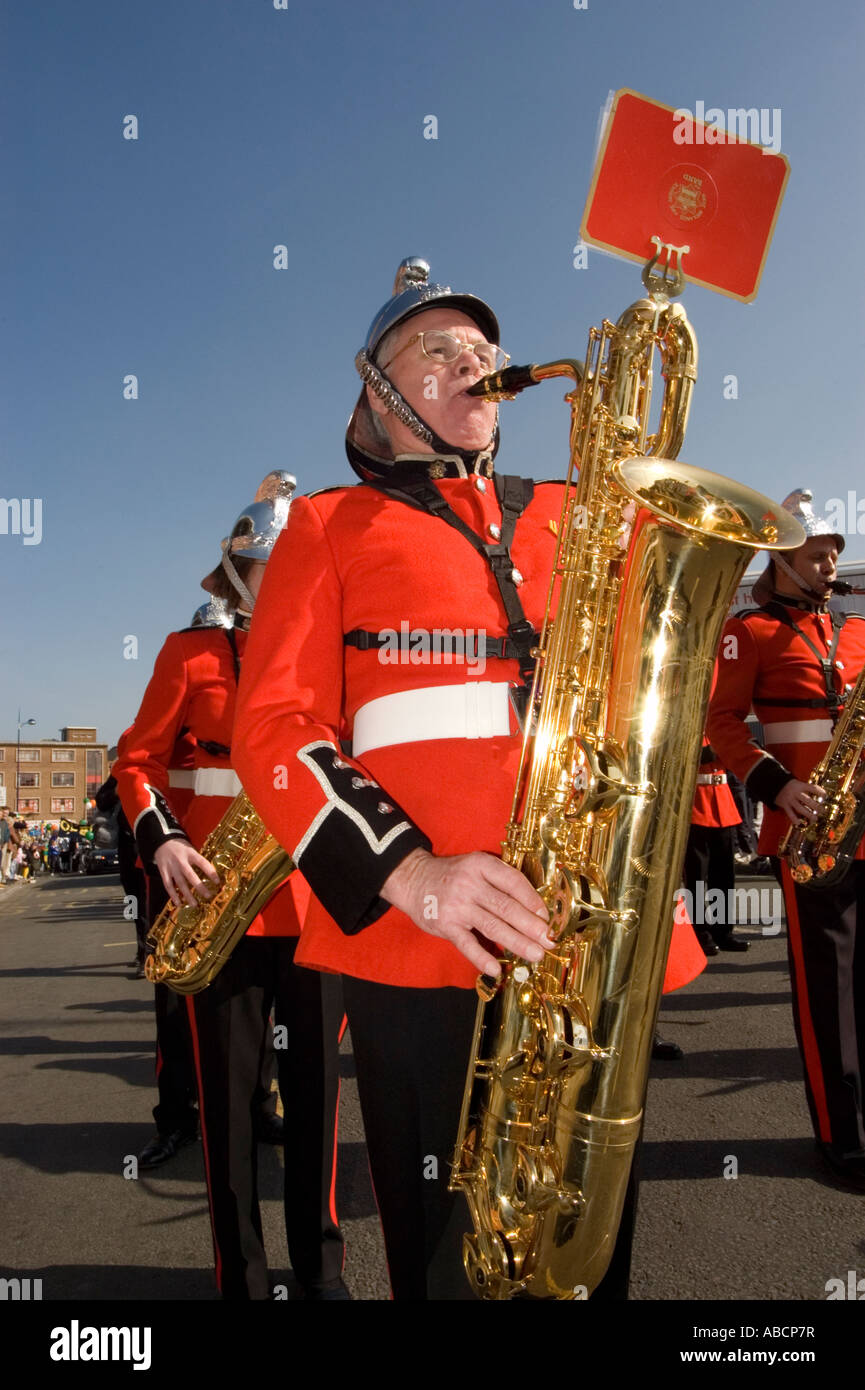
x=55, y=777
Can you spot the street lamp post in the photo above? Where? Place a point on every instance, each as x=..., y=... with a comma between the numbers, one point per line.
x=22, y=723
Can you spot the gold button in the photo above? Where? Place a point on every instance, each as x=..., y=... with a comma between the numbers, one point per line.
x=516, y=577
x=495, y=531
x=480, y=485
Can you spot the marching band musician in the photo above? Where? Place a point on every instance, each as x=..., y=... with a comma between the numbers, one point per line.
x=709, y=856
x=193, y=689
x=424, y=585
x=176, y=1111
x=793, y=661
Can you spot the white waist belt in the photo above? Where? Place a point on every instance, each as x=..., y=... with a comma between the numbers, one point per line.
x=179, y=777
x=711, y=779
x=478, y=709
x=799, y=731
x=206, y=781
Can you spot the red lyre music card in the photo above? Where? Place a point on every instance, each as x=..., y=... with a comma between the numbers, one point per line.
x=689, y=178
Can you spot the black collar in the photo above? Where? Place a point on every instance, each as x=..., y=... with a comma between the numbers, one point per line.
x=805, y=605
x=442, y=465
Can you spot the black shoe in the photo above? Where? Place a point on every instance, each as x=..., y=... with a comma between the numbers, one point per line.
x=327, y=1293
x=164, y=1147
x=664, y=1051
x=760, y=867
x=732, y=943
x=708, y=943
x=269, y=1129
x=849, y=1167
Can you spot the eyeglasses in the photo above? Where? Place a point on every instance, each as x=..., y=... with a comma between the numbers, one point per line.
x=444, y=347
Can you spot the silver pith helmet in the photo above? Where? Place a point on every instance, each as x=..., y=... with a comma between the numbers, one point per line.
x=254, y=533
x=214, y=613
x=798, y=504
x=368, y=453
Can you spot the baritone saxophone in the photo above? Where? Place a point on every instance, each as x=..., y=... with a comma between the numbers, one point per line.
x=821, y=852
x=649, y=555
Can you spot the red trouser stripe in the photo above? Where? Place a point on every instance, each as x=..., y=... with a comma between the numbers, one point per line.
x=810, y=1050
x=217, y=1258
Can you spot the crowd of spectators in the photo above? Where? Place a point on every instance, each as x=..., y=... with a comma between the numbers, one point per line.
x=27, y=851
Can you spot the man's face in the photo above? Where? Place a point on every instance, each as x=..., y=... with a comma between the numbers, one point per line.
x=437, y=390
x=816, y=561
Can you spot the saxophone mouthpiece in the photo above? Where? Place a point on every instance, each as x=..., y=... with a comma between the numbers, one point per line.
x=503, y=385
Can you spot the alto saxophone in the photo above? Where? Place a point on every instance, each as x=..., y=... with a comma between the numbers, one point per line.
x=192, y=944
x=821, y=852
x=648, y=558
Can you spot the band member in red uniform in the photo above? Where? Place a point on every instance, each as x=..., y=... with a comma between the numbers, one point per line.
x=423, y=588
x=709, y=855
x=793, y=662
x=176, y=1110
x=193, y=688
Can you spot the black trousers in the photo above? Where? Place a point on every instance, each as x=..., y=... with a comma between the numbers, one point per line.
x=176, y=1080
x=826, y=950
x=175, y=1072
x=135, y=887
x=411, y=1049
x=230, y=1022
x=709, y=861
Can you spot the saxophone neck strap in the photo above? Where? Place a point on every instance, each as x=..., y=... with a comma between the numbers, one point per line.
x=833, y=701
x=231, y=638
x=513, y=495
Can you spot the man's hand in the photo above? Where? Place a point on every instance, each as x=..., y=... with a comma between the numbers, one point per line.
x=183, y=869
x=466, y=893
x=800, y=801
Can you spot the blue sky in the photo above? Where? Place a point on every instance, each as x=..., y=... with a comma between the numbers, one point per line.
x=304, y=127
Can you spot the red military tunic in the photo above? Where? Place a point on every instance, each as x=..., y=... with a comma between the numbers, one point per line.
x=190, y=701
x=353, y=558
x=714, y=805
x=763, y=660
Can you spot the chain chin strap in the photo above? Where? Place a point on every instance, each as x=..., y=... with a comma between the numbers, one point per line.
x=236, y=581
x=398, y=406
x=395, y=403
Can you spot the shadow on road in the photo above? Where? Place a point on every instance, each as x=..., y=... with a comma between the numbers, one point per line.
x=765, y=1157
x=104, y=1149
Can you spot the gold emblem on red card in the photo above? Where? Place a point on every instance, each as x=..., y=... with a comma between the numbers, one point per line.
x=722, y=202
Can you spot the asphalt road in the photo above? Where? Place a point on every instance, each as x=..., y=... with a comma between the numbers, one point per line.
x=76, y=1091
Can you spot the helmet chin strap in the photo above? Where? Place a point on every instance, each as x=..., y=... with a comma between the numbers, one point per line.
x=797, y=578
x=236, y=581
x=399, y=406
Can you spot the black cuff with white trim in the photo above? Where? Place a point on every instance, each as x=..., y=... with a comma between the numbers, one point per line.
x=766, y=779
x=156, y=825
x=355, y=842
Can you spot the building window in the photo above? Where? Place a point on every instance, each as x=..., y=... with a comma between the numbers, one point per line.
x=60, y=804
x=28, y=779
x=29, y=805
x=63, y=779
x=30, y=755
x=63, y=755
x=95, y=771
